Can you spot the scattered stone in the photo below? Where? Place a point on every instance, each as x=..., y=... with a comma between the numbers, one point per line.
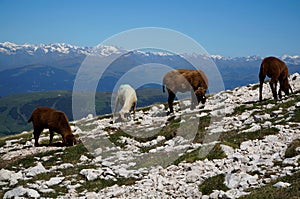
x=247, y=166
x=83, y=158
x=39, y=168
x=281, y=185
x=91, y=174
x=54, y=181
x=21, y=191
x=7, y=175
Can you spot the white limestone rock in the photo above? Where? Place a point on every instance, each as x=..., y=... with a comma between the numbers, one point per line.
x=21, y=191
x=54, y=181
x=13, y=177
x=33, y=171
x=91, y=174
x=281, y=184
x=240, y=179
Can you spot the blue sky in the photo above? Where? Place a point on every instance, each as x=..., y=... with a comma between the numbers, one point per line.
x=225, y=27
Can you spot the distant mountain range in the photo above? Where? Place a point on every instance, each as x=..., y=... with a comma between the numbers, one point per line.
x=33, y=68
x=27, y=71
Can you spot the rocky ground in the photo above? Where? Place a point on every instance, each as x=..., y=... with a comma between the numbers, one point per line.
x=231, y=147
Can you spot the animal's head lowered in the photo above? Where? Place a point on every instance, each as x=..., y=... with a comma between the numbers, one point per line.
x=200, y=94
x=69, y=140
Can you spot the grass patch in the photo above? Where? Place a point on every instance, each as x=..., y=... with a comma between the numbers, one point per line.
x=213, y=183
x=239, y=110
x=236, y=138
x=168, y=131
x=268, y=191
x=254, y=87
x=215, y=153
x=296, y=115
x=98, y=184
x=25, y=162
x=22, y=138
x=188, y=157
x=291, y=150
x=203, y=123
x=69, y=155
x=115, y=134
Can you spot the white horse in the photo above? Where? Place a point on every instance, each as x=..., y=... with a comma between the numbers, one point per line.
x=126, y=97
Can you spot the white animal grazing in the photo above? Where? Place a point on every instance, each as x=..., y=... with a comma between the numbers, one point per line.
x=126, y=97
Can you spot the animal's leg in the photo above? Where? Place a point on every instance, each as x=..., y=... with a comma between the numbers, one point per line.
x=51, y=136
x=115, y=108
x=275, y=90
x=261, y=82
x=133, y=109
x=36, y=134
x=194, y=100
x=279, y=92
x=170, y=100
x=273, y=85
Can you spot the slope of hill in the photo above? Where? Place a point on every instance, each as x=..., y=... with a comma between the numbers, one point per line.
x=232, y=147
x=16, y=109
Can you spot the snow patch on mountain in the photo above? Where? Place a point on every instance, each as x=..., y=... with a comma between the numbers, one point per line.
x=9, y=48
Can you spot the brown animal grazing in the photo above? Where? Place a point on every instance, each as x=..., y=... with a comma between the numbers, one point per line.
x=54, y=120
x=183, y=80
x=277, y=71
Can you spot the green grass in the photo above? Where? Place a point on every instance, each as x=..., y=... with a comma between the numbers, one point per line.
x=203, y=123
x=188, y=157
x=213, y=183
x=291, y=150
x=172, y=128
x=270, y=192
x=169, y=131
x=235, y=138
x=215, y=153
x=98, y=184
x=23, y=138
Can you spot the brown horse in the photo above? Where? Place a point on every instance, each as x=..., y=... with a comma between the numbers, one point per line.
x=54, y=120
x=277, y=70
x=182, y=80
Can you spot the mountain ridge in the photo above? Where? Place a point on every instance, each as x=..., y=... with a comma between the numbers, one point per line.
x=67, y=59
x=10, y=48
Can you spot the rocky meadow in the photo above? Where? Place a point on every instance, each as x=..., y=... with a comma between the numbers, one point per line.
x=232, y=147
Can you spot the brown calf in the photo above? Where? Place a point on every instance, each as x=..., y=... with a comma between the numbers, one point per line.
x=54, y=120
x=183, y=80
x=277, y=71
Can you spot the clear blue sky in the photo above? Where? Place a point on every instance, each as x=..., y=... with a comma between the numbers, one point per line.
x=225, y=27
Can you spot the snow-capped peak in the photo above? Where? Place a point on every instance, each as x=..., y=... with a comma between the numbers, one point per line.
x=10, y=48
x=60, y=48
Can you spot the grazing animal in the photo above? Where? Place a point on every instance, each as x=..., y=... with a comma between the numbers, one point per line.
x=183, y=80
x=126, y=97
x=277, y=71
x=54, y=120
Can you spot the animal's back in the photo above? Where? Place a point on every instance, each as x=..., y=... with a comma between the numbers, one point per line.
x=41, y=114
x=125, y=90
x=199, y=78
x=184, y=78
x=49, y=118
x=273, y=68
